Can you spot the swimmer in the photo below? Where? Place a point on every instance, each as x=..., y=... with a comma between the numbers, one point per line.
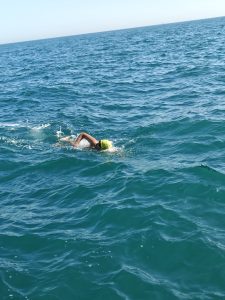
x=95, y=144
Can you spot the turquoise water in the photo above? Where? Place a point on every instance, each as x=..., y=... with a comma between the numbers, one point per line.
x=146, y=222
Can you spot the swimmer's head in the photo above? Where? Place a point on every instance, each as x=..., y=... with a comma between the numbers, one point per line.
x=105, y=144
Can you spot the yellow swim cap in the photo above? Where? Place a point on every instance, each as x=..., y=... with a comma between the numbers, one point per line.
x=106, y=144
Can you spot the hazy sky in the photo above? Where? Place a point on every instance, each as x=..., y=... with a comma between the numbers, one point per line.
x=22, y=20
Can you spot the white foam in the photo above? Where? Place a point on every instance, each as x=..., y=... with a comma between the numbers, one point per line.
x=40, y=127
x=16, y=142
x=112, y=149
x=3, y=125
x=84, y=144
x=59, y=133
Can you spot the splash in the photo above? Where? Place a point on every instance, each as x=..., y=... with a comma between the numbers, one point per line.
x=59, y=132
x=3, y=125
x=40, y=127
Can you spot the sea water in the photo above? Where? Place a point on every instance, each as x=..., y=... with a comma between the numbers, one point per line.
x=145, y=222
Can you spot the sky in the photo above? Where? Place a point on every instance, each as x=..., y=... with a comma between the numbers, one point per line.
x=24, y=20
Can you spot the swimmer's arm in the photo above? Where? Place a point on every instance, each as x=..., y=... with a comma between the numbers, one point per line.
x=86, y=136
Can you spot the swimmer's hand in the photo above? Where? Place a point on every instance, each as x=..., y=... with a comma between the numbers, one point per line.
x=65, y=139
x=69, y=140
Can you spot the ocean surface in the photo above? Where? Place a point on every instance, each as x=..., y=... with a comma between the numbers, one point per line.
x=145, y=222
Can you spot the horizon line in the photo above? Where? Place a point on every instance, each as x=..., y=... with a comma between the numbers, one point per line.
x=108, y=30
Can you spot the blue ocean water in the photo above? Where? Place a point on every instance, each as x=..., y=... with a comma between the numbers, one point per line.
x=146, y=222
